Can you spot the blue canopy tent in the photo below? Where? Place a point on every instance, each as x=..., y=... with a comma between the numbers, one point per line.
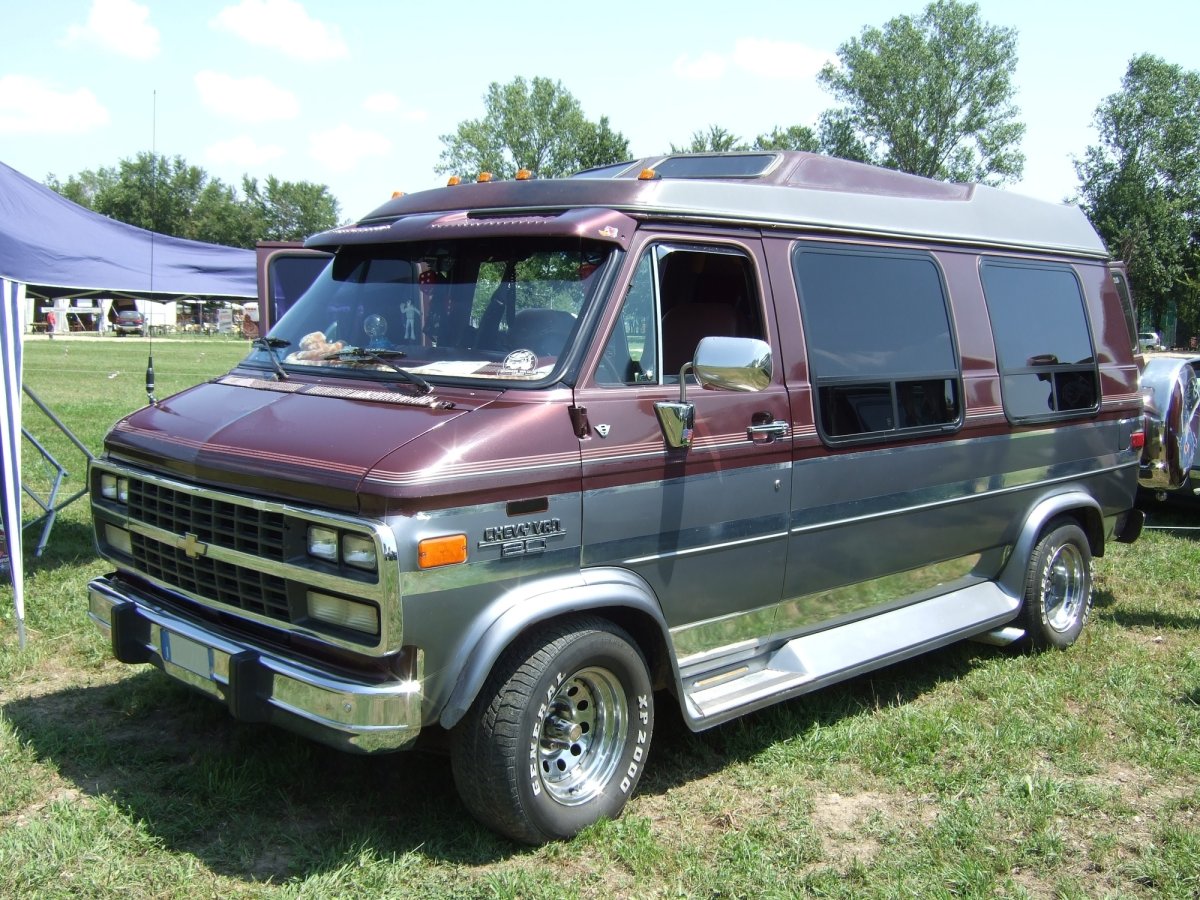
x=51, y=247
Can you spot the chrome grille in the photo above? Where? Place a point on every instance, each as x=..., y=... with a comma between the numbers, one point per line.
x=235, y=586
x=243, y=528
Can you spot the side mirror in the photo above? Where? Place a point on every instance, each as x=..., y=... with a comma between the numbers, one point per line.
x=721, y=363
x=732, y=364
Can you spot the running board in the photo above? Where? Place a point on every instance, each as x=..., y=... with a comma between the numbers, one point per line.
x=835, y=654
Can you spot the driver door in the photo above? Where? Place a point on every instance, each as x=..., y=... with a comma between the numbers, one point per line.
x=706, y=526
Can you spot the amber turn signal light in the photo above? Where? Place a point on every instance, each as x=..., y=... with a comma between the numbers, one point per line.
x=444, y=550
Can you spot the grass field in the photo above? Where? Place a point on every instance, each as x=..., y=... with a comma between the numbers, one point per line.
x=973, y=772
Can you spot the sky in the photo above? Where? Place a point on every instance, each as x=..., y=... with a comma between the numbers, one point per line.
x=357, y=94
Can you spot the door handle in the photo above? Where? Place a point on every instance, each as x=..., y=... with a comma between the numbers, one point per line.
x=767, y=431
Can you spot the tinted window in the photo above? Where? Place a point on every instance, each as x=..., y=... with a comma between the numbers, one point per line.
x=1127, y=308
x=869, y=315
x=879, y=342
x=1043, y=344
x=741, y=166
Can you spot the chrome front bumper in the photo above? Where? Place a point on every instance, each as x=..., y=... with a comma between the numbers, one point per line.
x=256, y=683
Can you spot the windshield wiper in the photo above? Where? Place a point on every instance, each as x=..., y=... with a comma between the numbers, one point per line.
x=362, y=354
x=271, y=344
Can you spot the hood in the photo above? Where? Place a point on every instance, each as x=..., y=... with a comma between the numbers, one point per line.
x=306, y=441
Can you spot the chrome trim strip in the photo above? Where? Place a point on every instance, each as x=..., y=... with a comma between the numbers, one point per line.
x=707, y=548
x=284, y=570
x=963, y=494
x=692, y=647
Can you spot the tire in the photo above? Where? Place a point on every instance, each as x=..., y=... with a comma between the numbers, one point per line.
x=558, y=737
x=1058, y=587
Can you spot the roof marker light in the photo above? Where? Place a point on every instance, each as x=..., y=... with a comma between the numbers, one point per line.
x=647, y=175
x=397, y=194
x=524, y=175
x=484, y=177
x=453, y=180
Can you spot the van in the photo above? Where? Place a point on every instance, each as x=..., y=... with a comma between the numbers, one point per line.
x=531, y=458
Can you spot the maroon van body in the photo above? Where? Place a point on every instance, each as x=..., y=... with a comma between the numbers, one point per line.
x=526, y=458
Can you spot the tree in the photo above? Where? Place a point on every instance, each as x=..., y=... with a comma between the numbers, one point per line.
x=932, y=95
x=797, y=137
x=537, y=126
x=1140, y=186
x=171, y=197
x=290, y=210
x=715, y=140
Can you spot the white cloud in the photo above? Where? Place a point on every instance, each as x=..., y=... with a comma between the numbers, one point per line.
x=28, y=106
x=242, y=151
x=121, y=26
x=252, y=99
x=342, y=148
x=706, y=67
x=779, y=59
x=283, y=25
x=776, y=60
x=387, y=103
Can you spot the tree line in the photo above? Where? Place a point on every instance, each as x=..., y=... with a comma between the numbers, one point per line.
x=930, y=94
x=170, y=196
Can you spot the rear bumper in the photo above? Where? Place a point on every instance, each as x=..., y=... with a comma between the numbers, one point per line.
x=256, y=683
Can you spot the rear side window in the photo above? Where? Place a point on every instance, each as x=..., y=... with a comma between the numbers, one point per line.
x=1043, y=343
x=880, y=346
x=1127, y=308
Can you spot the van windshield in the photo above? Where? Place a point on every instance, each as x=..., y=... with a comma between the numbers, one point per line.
x=501, y=309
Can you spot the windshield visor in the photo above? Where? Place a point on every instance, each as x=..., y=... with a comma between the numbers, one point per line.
x=500, y=309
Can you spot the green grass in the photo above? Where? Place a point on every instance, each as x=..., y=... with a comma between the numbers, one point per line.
x=969, y=772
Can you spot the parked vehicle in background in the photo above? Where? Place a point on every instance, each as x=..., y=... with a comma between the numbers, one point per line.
x=129, y=321
x=1150, y=342
x=529, y=457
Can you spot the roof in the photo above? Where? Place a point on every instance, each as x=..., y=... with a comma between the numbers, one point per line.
x=784, y=189
x=58, y=248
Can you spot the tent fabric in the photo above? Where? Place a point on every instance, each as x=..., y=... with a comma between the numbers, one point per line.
x=12, y=304
x=58, y=248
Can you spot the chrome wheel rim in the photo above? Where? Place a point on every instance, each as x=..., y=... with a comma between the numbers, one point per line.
x=582, y=735
x=1064, y=587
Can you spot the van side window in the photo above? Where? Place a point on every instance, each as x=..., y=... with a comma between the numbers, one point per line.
x=679, y=295
x=1127, y=309
x=880, y=348
x=1043, y=344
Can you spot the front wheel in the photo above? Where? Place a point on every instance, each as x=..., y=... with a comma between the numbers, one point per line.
x=1058, y=587
x=557, y=738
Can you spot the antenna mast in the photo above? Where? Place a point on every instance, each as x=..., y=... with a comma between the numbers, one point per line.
x=153, y=230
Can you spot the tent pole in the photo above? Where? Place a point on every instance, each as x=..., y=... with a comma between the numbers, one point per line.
x=58, y=422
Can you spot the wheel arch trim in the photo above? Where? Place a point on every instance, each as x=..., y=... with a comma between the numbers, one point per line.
x=1012, y=578
x=595, y=590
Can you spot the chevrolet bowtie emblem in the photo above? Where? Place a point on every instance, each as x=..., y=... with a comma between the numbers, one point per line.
x=191, y=545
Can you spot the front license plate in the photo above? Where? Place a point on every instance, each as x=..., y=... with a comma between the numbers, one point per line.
x=187, y=654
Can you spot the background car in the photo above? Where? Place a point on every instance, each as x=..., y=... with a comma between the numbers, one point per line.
x=1150, y=341
x=129, y=321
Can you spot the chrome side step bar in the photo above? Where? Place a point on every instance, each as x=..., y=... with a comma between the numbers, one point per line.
x=814, y=660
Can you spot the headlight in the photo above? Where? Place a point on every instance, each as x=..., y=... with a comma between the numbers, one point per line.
x=323, y=543
x=114, y=488
x=358, y=551
x=343, y=612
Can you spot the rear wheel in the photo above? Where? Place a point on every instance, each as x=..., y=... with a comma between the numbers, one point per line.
x=557, y=738
x=1058, y=586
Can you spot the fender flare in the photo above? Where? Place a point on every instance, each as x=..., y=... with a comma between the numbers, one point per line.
x=540, y=601
x=1012, y=578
